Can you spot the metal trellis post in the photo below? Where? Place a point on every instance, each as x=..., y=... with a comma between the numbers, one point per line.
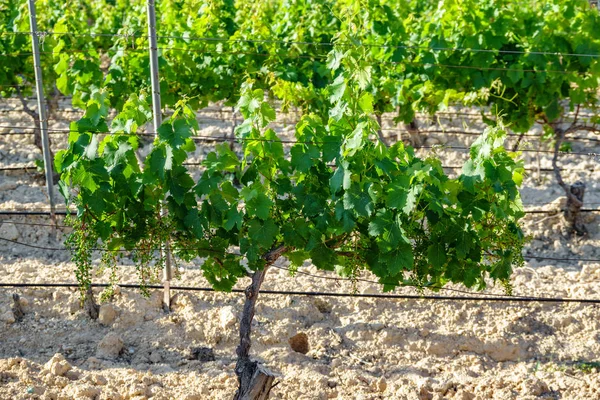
x=41, y=105
x=157, y=119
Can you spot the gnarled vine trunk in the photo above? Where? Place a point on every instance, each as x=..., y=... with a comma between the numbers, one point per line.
x=574, y=193
x=90, y=306
x=572, y=211
x=254, y=380
x=414, y=137
x=37, y=134
x=380, y=130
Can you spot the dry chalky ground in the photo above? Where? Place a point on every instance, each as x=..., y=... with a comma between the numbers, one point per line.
x=358, y=348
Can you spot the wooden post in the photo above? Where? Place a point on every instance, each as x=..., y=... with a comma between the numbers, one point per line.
x=157, y=120
x=35, y=43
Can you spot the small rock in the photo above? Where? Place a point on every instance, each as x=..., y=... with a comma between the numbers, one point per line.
x=94, y=363
x=380, y=385
x=87, y=392
x=299, y=343
x=193, y=397
x=9, y=231
x=227, y=317
x=432, y=141
x=8, y=186
x=534, y=387
x=24, y=303
x=8, y=317
x=323, y=305
x=57, y=365
x=155, y=357
x=203, y=354
x=98, y=380
x=74, y=306
x=110, y=346
x=107, y=315
x=72, y=375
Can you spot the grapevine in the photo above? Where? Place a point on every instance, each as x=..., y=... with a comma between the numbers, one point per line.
x=338, y=197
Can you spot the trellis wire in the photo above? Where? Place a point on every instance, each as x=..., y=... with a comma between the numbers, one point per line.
x=440, y=114
x=33, y=246
x=58, y=131
x=64, y=213
x=287, y=141
x=394, y=63
x=507, y=299
x=34, y=168
x=404, y=62
x=324, y=44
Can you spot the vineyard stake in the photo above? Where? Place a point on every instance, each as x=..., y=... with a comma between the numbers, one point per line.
x=35, y=43
x=157, y=119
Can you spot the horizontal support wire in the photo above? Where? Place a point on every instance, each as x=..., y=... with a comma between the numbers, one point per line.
x=24, y=168
x=198, y=164
x=62, y=212
x=65, y=212
x=323, y=44
x=485, y=298
x=33, y=246
x=358, y=279
x=286, y=141
x=393, y=63
x=57, y=131
x=438, y=114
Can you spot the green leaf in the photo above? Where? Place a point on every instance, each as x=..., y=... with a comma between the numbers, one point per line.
x=263, y=233
x=234, y=218
x=397, y=260
x=334, y=58
x=380, y=223
x=436, y=254
x=363, y=76
x=359, y=201
x=92, y=148
x=175, y=134
x=323, y=257
x=341, y=178
x=355, y=141
x=337, y=89
x=303, y=156
x=192, y=221
x=260, y=206
x=82, y=177
x=160, y=160
x=267, y=113
x=180, y=183
x=297, y=257
x=366, y=103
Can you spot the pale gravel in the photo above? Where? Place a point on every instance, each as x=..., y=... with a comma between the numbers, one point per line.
x=359, y=348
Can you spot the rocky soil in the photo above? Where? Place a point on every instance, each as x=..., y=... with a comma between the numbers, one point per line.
x=355, y=348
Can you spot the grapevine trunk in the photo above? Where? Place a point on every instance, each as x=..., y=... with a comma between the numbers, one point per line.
x=255, y=381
